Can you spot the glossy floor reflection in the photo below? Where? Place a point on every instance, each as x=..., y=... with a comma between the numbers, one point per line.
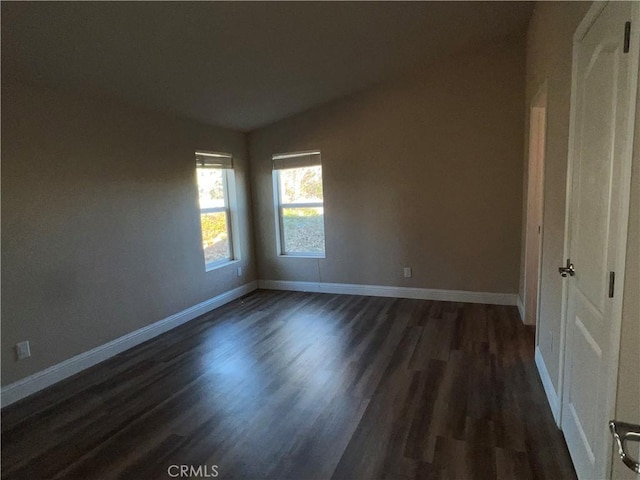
x=300, y=386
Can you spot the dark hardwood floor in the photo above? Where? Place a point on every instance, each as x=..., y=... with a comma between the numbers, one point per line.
x=295, y=385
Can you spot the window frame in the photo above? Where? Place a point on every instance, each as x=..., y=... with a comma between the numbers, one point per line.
x=279, y=207
x=229, y=208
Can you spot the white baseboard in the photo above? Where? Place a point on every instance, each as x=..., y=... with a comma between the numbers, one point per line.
x=47, y=377
x=520, y=308
x=398, y=292
x=552, y=396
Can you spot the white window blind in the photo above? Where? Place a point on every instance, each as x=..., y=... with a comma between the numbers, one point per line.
x=296, y=160
x=214, y=160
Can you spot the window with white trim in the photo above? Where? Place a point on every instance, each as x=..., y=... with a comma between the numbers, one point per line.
x=216, y=191
x=299, y=202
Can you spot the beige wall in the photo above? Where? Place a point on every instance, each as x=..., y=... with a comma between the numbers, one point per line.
x=549, y=52
x=100, y=225
x=422, y=172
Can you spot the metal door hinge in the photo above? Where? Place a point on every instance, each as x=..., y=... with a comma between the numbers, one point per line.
x=627, y=36
x=612, y=283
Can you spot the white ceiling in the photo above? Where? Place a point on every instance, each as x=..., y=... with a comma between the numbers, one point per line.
x=238, y=64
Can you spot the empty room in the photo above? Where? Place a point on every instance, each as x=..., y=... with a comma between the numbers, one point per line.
x=320, y=240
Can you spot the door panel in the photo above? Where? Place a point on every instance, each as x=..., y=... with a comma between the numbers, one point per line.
x=593, y=172
x=587, y=354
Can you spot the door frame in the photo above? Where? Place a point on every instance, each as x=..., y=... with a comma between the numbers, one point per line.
x=539, y=101
x=623, y=217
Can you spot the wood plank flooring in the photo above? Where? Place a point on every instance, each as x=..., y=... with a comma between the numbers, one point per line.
x=289, y=385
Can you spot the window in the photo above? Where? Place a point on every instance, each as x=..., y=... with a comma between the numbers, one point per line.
x=297, y=184
x=214, y=173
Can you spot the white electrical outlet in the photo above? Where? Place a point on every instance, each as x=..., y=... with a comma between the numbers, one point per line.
x=407, y=272
x=239, y=270
x=23, y=350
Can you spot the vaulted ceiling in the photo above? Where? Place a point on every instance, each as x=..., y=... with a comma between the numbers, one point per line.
x=238, y=64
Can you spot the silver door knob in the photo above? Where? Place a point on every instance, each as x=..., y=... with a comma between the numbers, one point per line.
x=567, y=271
x=623, y=433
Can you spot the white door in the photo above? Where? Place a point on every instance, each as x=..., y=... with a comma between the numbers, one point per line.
x=603, y=101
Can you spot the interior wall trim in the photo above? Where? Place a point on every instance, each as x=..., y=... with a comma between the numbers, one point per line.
x=552, y=396
x=398, y=292
x=51, y=375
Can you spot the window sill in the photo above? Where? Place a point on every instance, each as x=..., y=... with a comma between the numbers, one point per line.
x=300, y=255
x=216, y=266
